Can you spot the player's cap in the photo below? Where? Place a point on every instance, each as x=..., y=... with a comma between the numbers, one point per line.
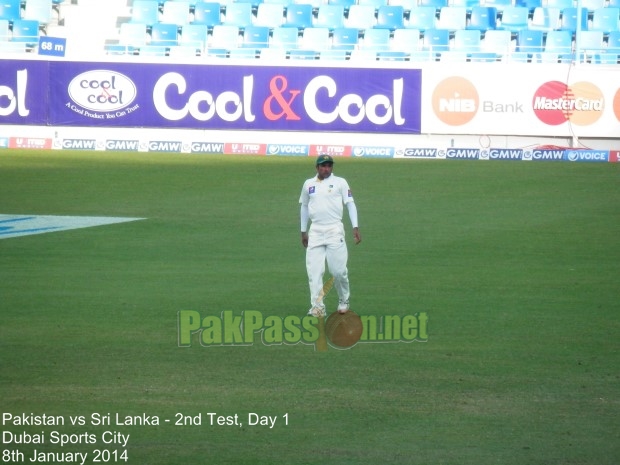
x=324, y=159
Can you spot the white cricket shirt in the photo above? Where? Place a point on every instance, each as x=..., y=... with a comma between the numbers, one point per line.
x=325, y=199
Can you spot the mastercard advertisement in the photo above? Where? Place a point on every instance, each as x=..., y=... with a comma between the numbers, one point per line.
x=552, y=101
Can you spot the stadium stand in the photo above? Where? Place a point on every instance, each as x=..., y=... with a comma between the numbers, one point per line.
x=330, y=16
x=10, y=10
x=412, y=30
x=360, y=17
x=482, y=18
x=390, y=17
x=422, y=18
x=545, y=19
x=38, y=10
x=207, y=13
x=558, y=48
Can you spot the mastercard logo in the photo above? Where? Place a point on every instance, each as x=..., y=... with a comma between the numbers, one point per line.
x=617, y=105
x=581, y=103
x=455, y=101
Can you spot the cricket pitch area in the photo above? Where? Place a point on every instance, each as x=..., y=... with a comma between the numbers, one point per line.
x=515, y=265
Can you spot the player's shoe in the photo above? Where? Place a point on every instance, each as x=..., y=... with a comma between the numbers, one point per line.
x=343, y=306
x=317, y=311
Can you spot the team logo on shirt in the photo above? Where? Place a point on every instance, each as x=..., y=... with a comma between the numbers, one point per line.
x=311, y=190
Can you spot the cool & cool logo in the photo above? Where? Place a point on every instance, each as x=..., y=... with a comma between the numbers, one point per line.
x=102, y=90
x=581, y=103
x=231, y=106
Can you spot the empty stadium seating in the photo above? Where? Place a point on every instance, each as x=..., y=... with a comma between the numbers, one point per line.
x=550, y=31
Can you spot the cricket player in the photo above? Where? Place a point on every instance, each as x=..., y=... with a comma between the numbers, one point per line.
x=322, y=199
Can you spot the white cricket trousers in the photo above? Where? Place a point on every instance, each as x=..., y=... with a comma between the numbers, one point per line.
x=327, y=244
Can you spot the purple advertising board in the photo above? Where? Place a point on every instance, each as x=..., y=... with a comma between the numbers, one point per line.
x=235, y=97
x=23, y=92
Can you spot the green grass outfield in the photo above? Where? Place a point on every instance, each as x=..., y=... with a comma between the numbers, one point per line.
x=516, y=264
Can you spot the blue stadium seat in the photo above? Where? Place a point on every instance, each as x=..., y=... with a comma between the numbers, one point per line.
x=409, y=5
x=606, y=20
x=194, y=35
x=531, y=5
x=501, y=5
x=436, y=41
x=224, y=38
x=468, y=4
x=285, y=38
x=514, y=18
x=10, y=10
x=132, y=36
x=315, y=4
x=467, y=40
x=611, y=55
x=145, y=12
x=279, y=2
x=529, y=42
x=452, y=18
x=299, y=16
x=592, y=5
x=207, y=13
x=345, y=3
x=38, y=10
x=482, y=18
x=405, y=43
x=164, y=34
x=377, y=40
x=558, y=47
x=175, y=12
x=361, y=17
x=391, y=17
x=313, y=41
x=345, y=39
x=238, y=14
x=561, y=4
x=569, y=19
x=330, y=16
x=497, y=44
x=256, y=37
x=437, y=4
x=422, y=18
x=589, y=43
x=613, y=42
x=613, y=4
x=269, y=15
x=545, y=19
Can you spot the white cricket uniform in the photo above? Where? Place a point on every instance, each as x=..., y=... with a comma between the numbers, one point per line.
x=325, y=200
